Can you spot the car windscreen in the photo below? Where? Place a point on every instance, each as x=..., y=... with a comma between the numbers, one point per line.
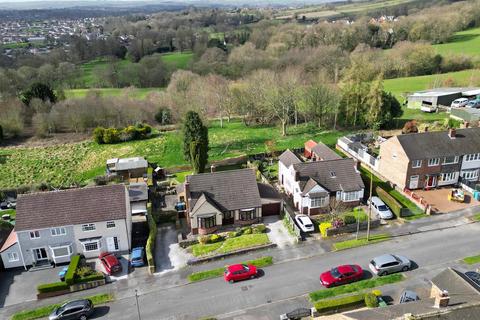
x=309, y=225
x=335, y=273
x=382, y=208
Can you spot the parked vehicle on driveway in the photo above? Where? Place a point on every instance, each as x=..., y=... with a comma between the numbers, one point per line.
x=73, y=310
x=137, y=257
x=380, y=208
x=304, y=223
x=458, y=103
x=473, y=104
x=239, y=272
x=341, y=275
x=110, y=263
x=408, y=296
x=389, y=263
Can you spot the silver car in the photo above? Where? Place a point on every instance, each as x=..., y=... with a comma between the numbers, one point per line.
x=389, y=263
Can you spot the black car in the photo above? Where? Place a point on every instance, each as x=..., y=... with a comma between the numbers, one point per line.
x=73, y=310
x=474, y=276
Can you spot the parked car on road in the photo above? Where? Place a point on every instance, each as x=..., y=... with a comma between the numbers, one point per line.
x=73, y=310
x=110, y=263
x=473, y=104
x=341, y=275
x=137, y=257
x=389, y=263
x=408, y=296
x=304, y=223
x=380, y=208
x=458, y=103
x=239, y=272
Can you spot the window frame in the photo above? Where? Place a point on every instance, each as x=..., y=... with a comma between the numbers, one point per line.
x=88, y=227
x=248, y=215
x=451, y=175
x=470, y=174
x=346, y=197
x=416, y=164
x=86, y=243
x=433, y=162
x=207, y=222
x=36, y=234
x=69, y=251
x=15, y=257
x=318, y=202
x=455, y=160
x=472, y=157
x=53, y=231
x=111, y=224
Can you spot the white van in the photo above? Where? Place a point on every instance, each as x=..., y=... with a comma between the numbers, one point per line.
x=380, y=208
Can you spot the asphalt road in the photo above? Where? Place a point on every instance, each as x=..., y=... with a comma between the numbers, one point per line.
x=284, y=285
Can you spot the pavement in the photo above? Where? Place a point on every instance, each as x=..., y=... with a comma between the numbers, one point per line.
x=431, y=243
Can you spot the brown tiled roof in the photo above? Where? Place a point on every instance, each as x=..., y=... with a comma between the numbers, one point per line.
x=229, y=190
x=11, y=240
x=70, y=207
x=288, y=158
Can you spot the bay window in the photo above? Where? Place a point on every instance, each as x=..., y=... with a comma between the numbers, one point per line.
x=318, y=202
x=351, y=196
x=207, y=222
x=246, y=215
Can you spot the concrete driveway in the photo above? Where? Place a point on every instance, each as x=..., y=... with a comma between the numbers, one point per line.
x=277, y=233
x=168, y=254
x=19, y=285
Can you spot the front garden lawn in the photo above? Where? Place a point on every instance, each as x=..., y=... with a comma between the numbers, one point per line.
x=472, y=259
x=347, y=244
x=215, y=273
x=356, y=286
x=231, y=244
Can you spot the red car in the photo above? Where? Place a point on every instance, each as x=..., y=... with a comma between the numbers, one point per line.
x=110, y=263
x=341, y=275
x=238, y=272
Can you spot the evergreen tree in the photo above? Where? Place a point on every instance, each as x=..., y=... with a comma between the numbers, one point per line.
x=38, y=90
x=195, y=141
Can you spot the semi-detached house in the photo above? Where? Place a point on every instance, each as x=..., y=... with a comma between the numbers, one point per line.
x=52, y=226
x=431, y=159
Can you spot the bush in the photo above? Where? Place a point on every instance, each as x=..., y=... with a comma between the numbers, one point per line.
x=231, y=234
x=72, y=269
x=247, y=231
x=390, y=201
x=98, y=133
x=203, y=239
x=341, y=303
x=52, y=287
x=91, y=277
x=452, y=123
x=85, y=271
x=215, y=238
x=259, y=228
x=163, y=116
x=348, y=219
x=371, y=300
x=111, y=135
x=323, y=228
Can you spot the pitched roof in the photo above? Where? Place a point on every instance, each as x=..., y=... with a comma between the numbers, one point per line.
x=229, y=190
x=435, y=144
x=11, y=240
x=310, y=144
x=288, y=158
x=324, y=152
x=138, y=191
x=457, y=284
x=203, y=199
x=333, y=175
x=70, y=207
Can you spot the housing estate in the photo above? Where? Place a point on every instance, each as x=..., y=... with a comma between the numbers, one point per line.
x=52, y=226
x=318, y=186
x=225, y=199
x=431, y=159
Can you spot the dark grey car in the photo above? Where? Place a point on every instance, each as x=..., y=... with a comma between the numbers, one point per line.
x=73, y=310
x=389, y=263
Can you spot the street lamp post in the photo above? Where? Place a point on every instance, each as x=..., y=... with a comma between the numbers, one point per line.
x=370, y=206
x=138, y=307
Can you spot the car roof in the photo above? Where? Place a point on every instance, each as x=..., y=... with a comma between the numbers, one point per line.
x=377, y=201
x=235, y=267
x=111, y=259
x=303, y=218
x=345, y=268
x=137, y=252
x=386, y=258
x=75, y=303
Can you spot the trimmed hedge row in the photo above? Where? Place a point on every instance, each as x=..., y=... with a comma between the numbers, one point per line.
x=390, y=201
x=52, y=287
x=150, y=246
x=72, y=269
x=112, y=135
x=370, y=299
x=92, y=277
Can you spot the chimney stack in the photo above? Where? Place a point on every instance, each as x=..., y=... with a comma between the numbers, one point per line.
x=467, y=124
x=212, y=168
x=452, y=132
x=441, y=299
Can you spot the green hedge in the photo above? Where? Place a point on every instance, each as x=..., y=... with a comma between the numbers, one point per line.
x=150, y=246
x=92, y=277
x=72, y=269
x=341, y=303
x=52, y=287
x=390, y=201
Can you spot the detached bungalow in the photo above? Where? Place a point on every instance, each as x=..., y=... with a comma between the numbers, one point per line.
x=316, y=186
x=52, y=226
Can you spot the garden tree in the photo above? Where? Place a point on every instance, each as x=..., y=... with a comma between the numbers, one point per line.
x=218, y=96
x=11, y=116
x=195, y=141
x=410, y=127
x=320, y=102
x=38, y=90
x=374, y=103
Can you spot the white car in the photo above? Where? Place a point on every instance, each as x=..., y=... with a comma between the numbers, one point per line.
x=304, y=223
x=458, y=103
x=380, y=208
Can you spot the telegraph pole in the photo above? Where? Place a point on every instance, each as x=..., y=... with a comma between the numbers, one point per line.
x=138, y=307
x=369, y=206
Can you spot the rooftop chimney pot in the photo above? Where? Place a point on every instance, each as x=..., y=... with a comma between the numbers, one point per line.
x=452, y=132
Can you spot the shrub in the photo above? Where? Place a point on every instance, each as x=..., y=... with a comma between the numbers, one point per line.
x=259, y=228
x=215, y=238
x=111, y=135
x=98, y=133
x=348, y=219
x=247, y=231
x=371, y=300
x=72, y=269
x=323, y=228
x=163, y=116
x=203, y=239
x=92, y=277
x=341, y=303
x=377, y=292
x=85, y=271
x=390, y=201
x=52, y=287
x=231, y=234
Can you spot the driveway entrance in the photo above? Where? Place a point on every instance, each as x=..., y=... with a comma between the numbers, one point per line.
x=168, y=254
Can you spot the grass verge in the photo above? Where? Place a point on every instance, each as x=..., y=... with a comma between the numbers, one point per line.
x=231, y=244
x=355, y=287
x=347, y=244
x=472, y=259
x=215, y=273
x=476, y=217
x=46, y=310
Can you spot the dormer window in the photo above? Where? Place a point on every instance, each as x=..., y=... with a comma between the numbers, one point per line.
x=333, y=174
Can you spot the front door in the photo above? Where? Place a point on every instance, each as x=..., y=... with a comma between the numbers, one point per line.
x=228, y=218
x=112, y=244
x=430, y=181
x=413, y=182
x=40, y=254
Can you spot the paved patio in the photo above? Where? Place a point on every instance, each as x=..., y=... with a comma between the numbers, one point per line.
x=438, y=198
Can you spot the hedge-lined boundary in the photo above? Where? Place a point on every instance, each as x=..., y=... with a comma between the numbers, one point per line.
x=356, y=287
x=152, y=235
x=346, y=302
x=52, y=287
x=46, y=310
x=390, y=201
x=72, y=269
x=218, y=272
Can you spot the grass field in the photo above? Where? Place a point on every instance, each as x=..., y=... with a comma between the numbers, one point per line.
x=63, y=165
x=464, y=42
x=348, y=244
x=134, y=93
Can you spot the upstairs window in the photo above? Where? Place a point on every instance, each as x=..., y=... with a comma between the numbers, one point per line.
x=433, y=162
x=450, y=160
x=58, y=231
x=88, y=227
x=34, y=234
x=110, y=224
x=416, y=163
x=472, y=157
